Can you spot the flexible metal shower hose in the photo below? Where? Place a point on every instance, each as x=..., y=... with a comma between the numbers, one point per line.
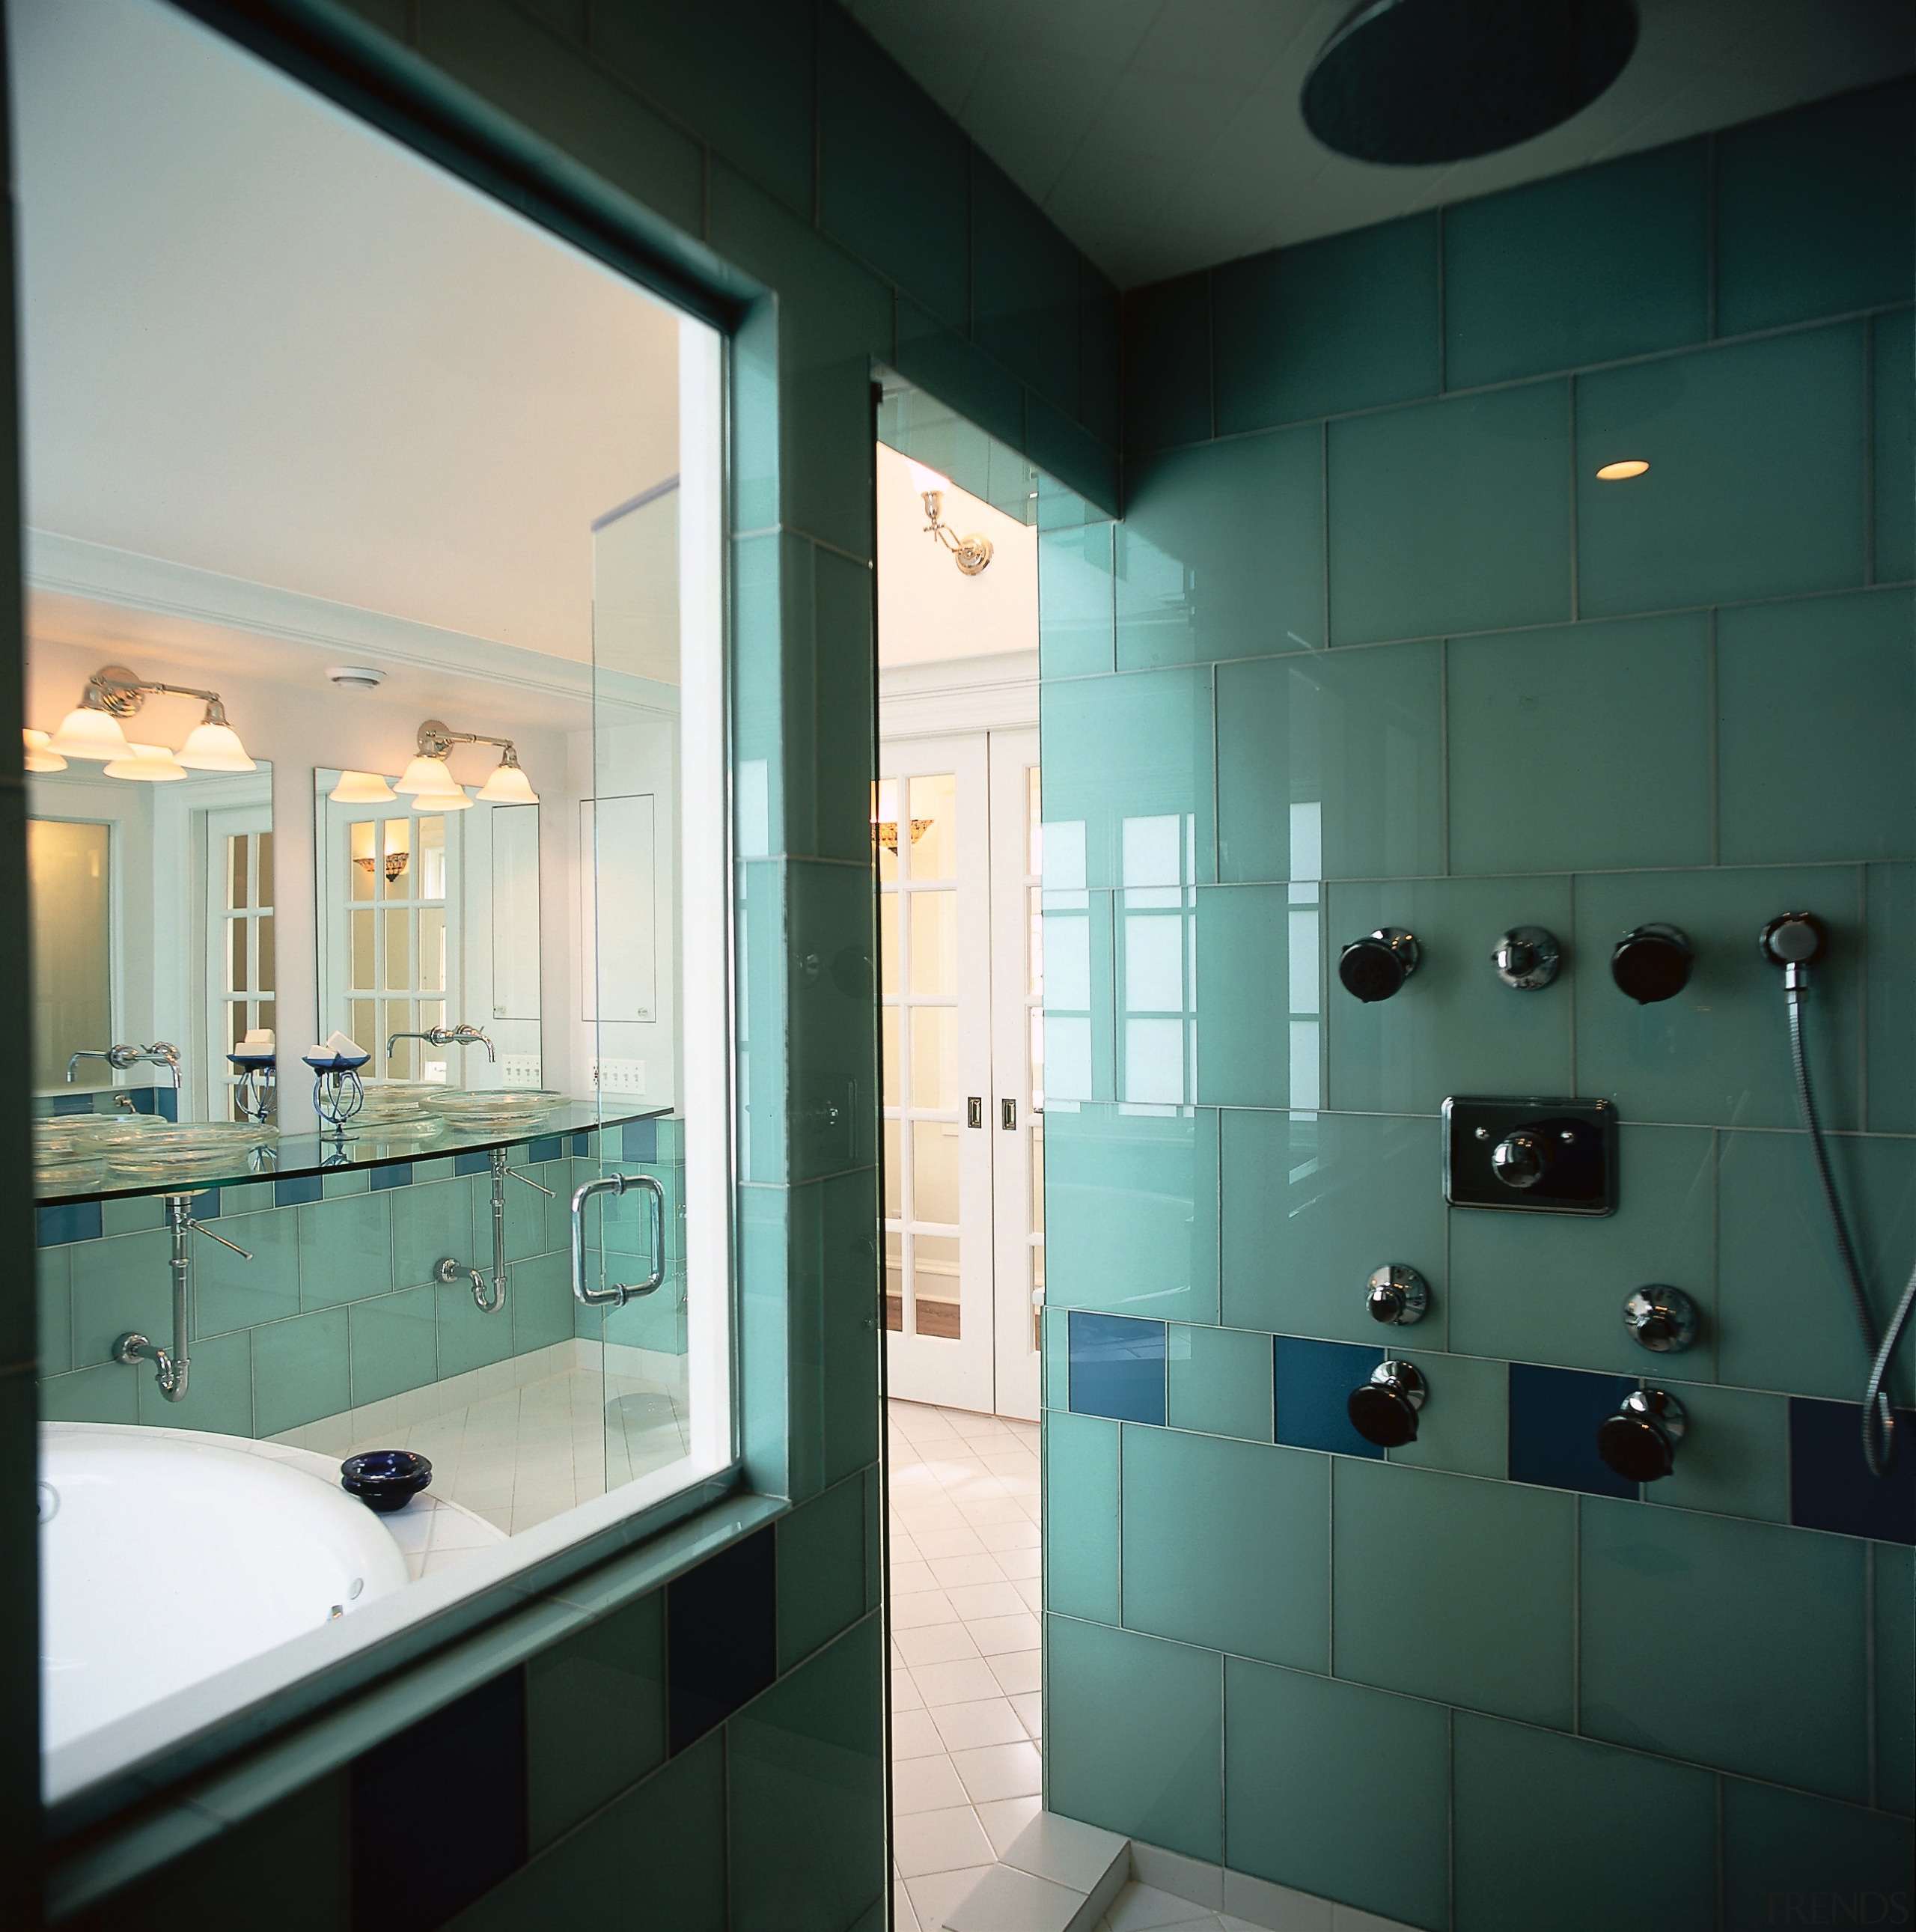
x=1878, y=1441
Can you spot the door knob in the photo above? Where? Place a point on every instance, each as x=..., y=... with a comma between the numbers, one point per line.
x=1661, y=1319
x=1639, y=1442
x=1652, y=963
x=1522, y=1158
x=1527, y=958
x=1384, y=1410
x=1375, y=967
x=1397, y=1295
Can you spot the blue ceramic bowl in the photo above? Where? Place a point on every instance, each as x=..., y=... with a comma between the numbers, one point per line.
x=384, y=1479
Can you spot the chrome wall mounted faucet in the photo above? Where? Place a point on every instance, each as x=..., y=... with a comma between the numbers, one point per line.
x=450, y=1269
x=161, y=1053
x=463, y=1034
x=171, y=1367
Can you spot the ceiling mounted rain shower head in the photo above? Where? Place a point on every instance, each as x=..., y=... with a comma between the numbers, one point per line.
x=1412, y=83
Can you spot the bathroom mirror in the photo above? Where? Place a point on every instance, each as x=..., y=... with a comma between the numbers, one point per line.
x=427, y=918
x=153, y=930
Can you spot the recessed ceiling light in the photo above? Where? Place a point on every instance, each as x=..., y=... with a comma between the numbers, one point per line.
x=1615, y=473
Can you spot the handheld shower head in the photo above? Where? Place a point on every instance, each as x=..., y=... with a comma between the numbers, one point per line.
x=1793, y=941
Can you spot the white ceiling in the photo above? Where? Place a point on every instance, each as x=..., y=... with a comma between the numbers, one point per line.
x=263, y=341
x=1164, y=136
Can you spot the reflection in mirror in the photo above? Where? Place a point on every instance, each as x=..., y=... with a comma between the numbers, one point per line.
x=428, y=920
x=375, y=703
x=153, y=935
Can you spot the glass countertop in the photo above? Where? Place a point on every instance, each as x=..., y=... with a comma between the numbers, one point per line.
x=283, y=1156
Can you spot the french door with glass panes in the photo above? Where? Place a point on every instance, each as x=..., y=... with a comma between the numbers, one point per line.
x=955, y=836
x=240, y=989
x=932, y=845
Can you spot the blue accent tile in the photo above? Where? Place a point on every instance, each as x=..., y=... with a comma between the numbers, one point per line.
x=69, y=1221
x=638, y=1140
x=1830, y=1486
x=1313, y=1381
x=551, y=1147
x=582, y=1144
x=206, y=1206
x=399, y=1174
x=1555, y=1416
x=1117, y=1367
x=471, y=1163
x=72, y=1103
x=721, y=1624
x=297, y=1189
x=459, y=1777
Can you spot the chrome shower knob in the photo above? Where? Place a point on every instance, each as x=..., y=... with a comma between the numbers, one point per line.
x=1652, y=963
x=1395, y=1295
x=1639, y=1442
x=1522, y=1158
x=1660, y=1318
x=1373, y=967
x=1527, y=958
x=1385, y=1410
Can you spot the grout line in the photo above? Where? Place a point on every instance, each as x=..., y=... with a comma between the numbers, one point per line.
x=1863, y=1000
x=1716, y=1254
x=1869, y=1665
x=1869, y=450
x=1442, y=319
x=1323, y=518
x=1570, y=458
x=1716, y=786
x=1443, y=751
x=1576, y=1611
x=1330, y=1569
x=1450, y=1813
x=1710, y=235
x=1570, y=977
x=1717, y=1781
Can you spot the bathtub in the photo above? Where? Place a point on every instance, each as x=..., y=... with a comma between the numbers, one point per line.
x=166, y=1557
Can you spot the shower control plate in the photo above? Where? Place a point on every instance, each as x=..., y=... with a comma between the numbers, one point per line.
x=1576, y=1140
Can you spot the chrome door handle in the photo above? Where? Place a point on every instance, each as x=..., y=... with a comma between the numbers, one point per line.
x=617, y=1293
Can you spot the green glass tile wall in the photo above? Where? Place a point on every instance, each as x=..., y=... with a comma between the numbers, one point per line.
x=337, y=1307
x=1453, y=682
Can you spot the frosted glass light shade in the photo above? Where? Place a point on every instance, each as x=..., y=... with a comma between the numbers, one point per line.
x=430, y=802
x=425, y=774
x=508, y=785
x=151, y=764
x=38, y=757
x=84, y=733
x=361, y=788
x=214, y=747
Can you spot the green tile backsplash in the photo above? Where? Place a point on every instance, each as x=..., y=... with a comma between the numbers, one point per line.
x=1542, y=699
x=337, y=1307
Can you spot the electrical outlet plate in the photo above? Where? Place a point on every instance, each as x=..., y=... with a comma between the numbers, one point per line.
x=519, y=1069
x=1582, y=1178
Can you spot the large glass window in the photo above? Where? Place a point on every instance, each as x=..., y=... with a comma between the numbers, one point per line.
x=379, y=870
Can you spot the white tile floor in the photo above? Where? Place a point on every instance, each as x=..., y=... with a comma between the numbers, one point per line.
x=965, y=1567
x=519, y=1454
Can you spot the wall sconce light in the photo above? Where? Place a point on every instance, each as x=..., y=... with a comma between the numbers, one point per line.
x=150, y=763
x=361, y=788
x=92, y=730
x=38, y=757
x=431, y=778
x=972, y=553
x=885, y=816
